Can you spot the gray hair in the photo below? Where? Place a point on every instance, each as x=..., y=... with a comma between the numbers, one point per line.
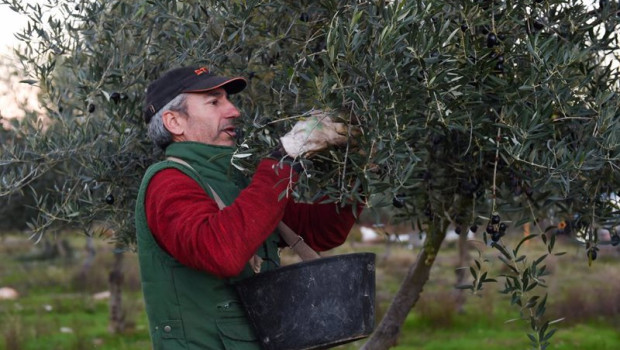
x=157, y=131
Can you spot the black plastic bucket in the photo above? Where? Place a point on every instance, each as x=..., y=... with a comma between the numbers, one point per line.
x=315, y=304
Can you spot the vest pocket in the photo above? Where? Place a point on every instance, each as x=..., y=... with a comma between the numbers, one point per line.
x=237, y=334
x=171, y=329
x=169, y=334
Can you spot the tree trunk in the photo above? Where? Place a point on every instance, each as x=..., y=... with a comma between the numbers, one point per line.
x=386, y=334
x=388, y=248
x=117, y=314
x=81, y=279
x=461, y=274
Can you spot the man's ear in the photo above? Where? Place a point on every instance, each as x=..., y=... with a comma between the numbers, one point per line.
x=174, y=122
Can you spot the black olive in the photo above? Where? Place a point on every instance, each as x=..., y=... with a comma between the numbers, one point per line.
x=499, y=66
x=304, y=17
x=464, y=27
x=538, y=25
x=495, y=219
x=109, y=199
x=502, y=227
x=592, y=255
x=491, y=40
x=500, y=58
x=91, y=108
x=615, y=240
x=473, y=228
x=457, y=230
x=491, y=229
x=495, y=237
x=398, y=201
x=115, y=97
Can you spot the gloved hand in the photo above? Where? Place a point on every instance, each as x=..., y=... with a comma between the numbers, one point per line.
x=314, y=134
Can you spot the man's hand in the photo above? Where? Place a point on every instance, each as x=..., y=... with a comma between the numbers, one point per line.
x=314, y=134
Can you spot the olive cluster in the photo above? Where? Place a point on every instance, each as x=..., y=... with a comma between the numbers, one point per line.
x=115, y=97
x=496, y=228
x=492, y=41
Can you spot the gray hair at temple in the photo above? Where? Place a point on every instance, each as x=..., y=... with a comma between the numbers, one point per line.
x=157, y=131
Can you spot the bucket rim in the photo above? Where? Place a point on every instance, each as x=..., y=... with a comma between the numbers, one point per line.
x=305, y=264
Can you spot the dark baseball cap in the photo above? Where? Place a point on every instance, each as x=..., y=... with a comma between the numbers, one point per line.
x=186, y=79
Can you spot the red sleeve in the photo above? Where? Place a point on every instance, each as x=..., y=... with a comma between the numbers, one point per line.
x=188, y=225
x=323, y=226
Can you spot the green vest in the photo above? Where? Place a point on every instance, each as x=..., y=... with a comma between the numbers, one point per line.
x=187, y=308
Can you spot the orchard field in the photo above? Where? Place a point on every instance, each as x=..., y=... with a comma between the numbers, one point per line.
x=61, y=304
x=484, y=113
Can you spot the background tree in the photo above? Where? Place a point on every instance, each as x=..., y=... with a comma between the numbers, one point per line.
x=16, y=207
x=473, y=113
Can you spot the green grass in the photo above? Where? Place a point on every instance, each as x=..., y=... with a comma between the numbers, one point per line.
x=479, y=334
x=56, y=309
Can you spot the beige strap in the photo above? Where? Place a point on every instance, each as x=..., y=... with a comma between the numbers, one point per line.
x=292, y=239
x=296, y=242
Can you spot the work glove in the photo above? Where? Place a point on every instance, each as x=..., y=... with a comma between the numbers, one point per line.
x=314, y=134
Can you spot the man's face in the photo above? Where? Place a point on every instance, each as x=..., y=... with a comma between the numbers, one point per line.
x=210, y=118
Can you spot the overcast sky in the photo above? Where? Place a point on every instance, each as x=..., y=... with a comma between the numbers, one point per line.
x=10, y=88
x=11, y=23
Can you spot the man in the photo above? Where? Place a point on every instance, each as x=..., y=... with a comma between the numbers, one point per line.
x=190, y=251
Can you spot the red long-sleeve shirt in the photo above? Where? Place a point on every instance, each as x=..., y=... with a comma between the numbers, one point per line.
x=188, y=224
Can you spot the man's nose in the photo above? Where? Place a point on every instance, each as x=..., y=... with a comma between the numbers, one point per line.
x=233, y=111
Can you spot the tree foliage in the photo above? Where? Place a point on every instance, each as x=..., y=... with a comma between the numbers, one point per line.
x=468, y=109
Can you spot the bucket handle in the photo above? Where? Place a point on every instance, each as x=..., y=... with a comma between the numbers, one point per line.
x=296, y=243
x=292, y=239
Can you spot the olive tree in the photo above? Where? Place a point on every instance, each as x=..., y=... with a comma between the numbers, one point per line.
x=469, y=113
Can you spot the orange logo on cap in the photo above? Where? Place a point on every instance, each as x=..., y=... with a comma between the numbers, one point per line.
x=201, y=70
